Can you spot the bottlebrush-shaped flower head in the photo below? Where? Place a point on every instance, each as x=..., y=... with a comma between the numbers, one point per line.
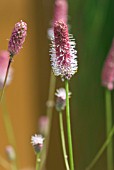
x=61, y=99
x=108, y=69
x=63, y=54
x=37, y=142
x=4, y=59
x=17, y=38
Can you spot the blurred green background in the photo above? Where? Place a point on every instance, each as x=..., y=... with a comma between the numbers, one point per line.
x=92, y=24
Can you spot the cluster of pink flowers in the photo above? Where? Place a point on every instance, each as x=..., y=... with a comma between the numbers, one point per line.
x=63, y=53
x=15, y=44
x=17, y=38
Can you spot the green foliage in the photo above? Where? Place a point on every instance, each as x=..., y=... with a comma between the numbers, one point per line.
x=92, y=24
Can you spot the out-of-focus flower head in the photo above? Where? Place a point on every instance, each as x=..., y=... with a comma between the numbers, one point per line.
x=63, y=53
x=108, y=69
x=4, y=60
x=43, y=125
x=37, y=142
x=17, y=38
x=60, y=13
x=61, y=99
x=10, y=153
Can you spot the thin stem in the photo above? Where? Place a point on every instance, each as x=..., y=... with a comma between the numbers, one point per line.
x=69, y=126
x=37, y=161
x=63, y=140
x=100, y=152
x=7, y=71
x=9, y=129
x=108, y=128
x=50, y=104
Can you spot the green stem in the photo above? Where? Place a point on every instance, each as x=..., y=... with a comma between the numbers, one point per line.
x=7, y=71
x=69, y=126
x=63, y=140
x=37, y=161
x=50, y=104
x=100, y=152
x=9, y=130
x=108, y=128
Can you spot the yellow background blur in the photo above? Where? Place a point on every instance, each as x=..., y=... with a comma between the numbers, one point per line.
x=29, y=87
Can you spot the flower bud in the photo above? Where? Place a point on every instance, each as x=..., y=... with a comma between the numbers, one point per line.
x=17, y=39
x=37, y=142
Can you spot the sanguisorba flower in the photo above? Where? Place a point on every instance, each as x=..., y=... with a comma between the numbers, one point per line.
x=63, y=53
x=17, y=38
x=108, y=69
x=37, y=142
x=61, y=99
x=4, y=59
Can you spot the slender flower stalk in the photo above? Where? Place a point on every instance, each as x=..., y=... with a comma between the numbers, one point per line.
x=9, y=132
x=37, y=143
x=108, y=128
x=102, y=149
x=63, y=141
x=60, y=105
x=5, y=71
x=37, y=161
x=49, y=113
x=69, y=126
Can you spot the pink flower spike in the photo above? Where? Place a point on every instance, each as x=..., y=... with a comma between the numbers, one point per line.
x=17, y=38
x=63, y=54
x=4, y=60
x=60, y=11
x=108, y=69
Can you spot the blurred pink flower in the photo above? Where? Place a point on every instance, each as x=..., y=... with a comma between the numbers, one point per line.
x=4, y=60
x=108, y=69
x=10, y=153
x=43, y=125
x=60, y=11
x=17, y=38
x=63, y=53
